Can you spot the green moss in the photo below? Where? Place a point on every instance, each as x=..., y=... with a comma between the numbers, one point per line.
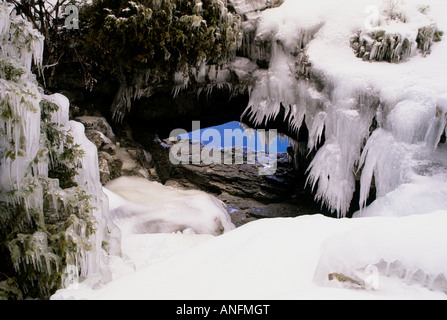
x=65, y=156
x=438, y=36
x=159, y=34
x=6, y=110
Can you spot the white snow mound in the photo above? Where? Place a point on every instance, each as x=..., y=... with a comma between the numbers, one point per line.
x=140, y=206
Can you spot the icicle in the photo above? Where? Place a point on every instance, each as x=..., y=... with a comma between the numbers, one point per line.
x=181, y=82
x=316, y=130
x=438, y=124
x=5, y=12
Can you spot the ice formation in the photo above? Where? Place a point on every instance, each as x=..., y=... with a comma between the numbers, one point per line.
x=36, y=135
x=207, y=72
x=377, y=120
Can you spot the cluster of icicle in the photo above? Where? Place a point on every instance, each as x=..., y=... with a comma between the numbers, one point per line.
x=378, y=45
x=24, y=154
x=344, y=116
x=27, y=47
x=20, y=44
x=204, y=76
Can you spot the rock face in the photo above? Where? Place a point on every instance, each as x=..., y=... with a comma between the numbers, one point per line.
x=116, y=156
x=241, y=180
x=98, y=124
x=247, y=194
x=109, y=166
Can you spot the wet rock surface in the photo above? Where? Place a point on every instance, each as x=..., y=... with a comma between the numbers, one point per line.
x=247, y=194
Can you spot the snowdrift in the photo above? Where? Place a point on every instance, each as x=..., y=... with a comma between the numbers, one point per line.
x=288, y=258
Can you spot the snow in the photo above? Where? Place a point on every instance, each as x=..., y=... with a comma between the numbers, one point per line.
x=413, y=255
x=181, y=244
x=165, y=256
x=419, y=195
x=284, y=258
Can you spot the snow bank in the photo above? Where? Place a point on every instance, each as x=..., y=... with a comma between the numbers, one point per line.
x=419, y=196
x=278, y=259
x=415, y=255
x=140, y=206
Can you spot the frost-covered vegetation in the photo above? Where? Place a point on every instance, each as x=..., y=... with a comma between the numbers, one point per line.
x=150, y=42
x=397, y=35
x=49, y=208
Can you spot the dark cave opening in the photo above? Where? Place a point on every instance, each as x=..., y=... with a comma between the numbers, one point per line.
x=161, y=113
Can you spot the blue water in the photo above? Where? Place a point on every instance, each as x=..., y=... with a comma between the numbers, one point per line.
x=219, y=136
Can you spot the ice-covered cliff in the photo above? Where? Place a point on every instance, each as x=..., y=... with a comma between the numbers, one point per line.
x=365, y=77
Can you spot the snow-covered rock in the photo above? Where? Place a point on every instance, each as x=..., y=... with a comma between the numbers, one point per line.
x=140, y=206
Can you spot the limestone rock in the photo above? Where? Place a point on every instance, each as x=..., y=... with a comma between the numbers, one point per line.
x=244, y=7
x=117, y=157
x=101, y=142
x=130, y=166
x=109, y=166
x=99, y=124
